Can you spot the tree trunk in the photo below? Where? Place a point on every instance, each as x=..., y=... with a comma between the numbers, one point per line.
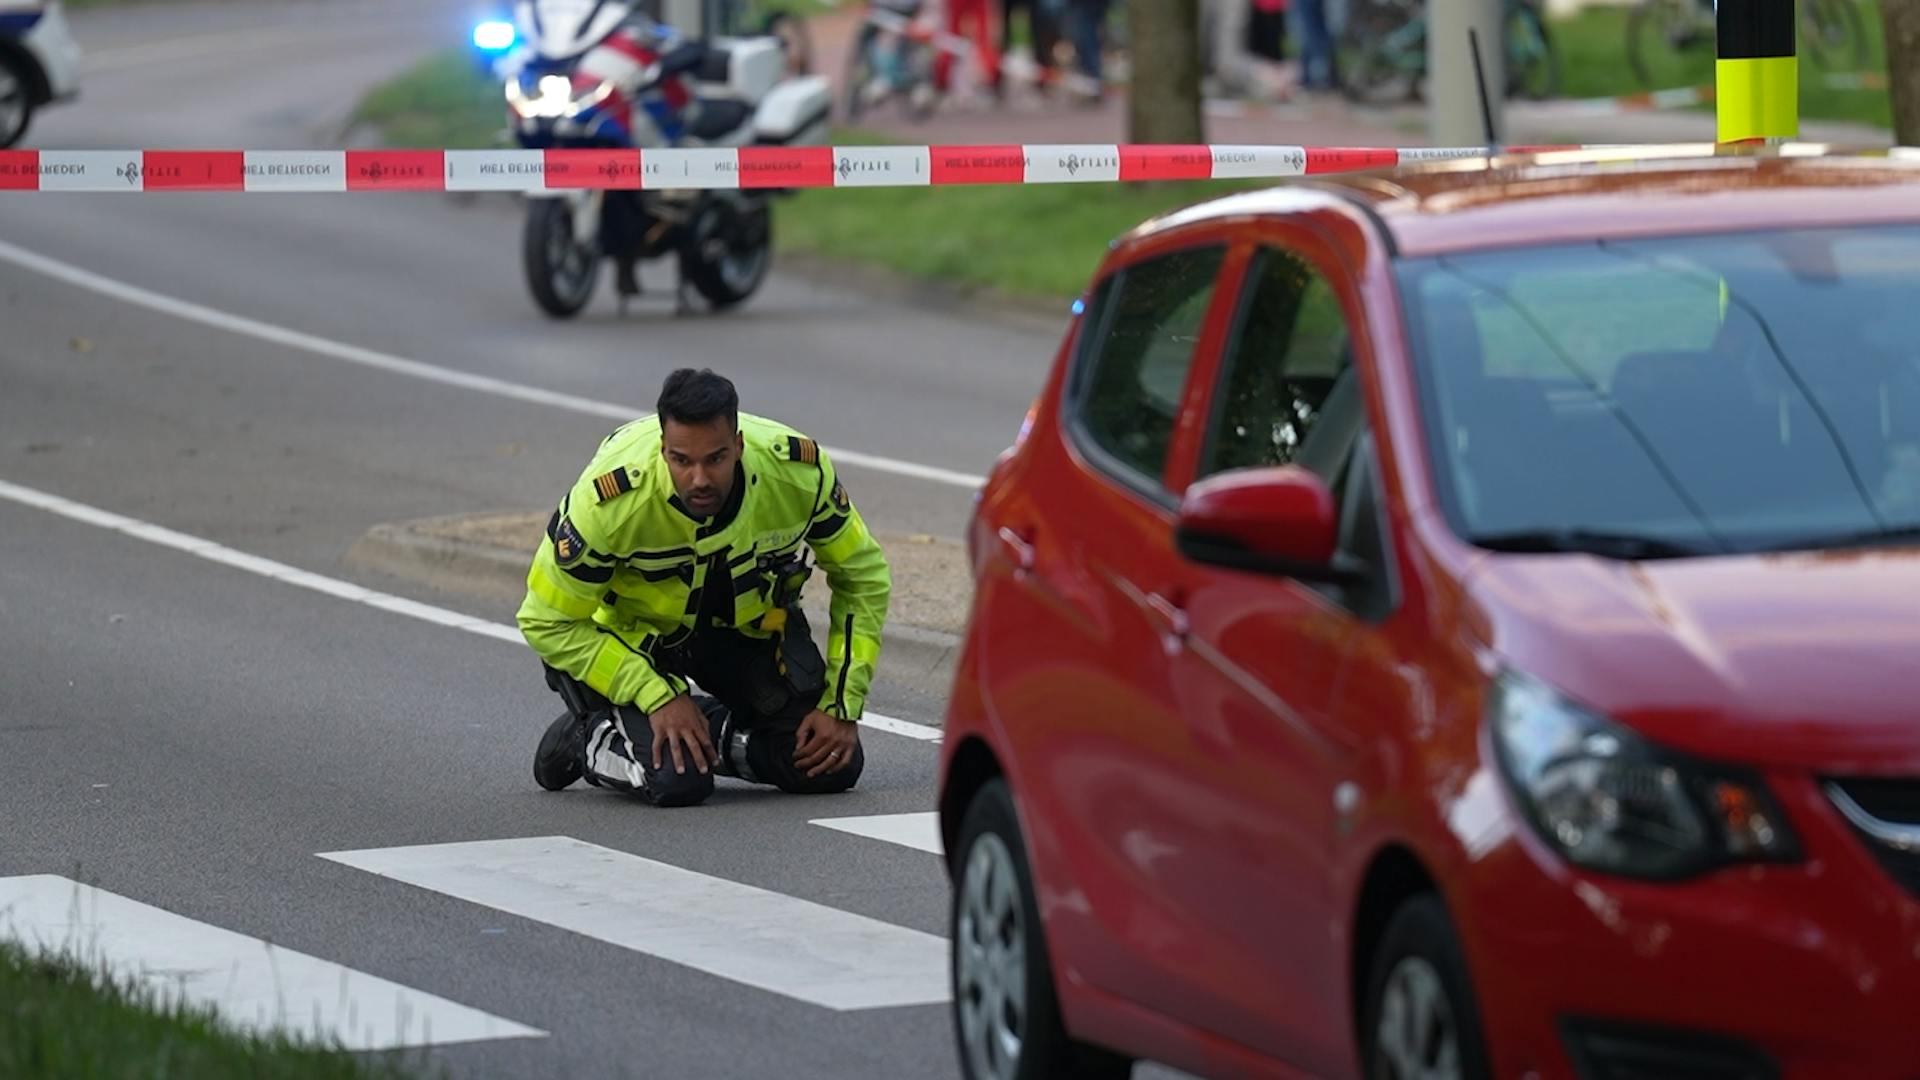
x=1902, y=21
x=1163, y=105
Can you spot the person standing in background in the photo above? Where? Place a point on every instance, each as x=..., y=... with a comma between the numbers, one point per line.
x=1319, y=62
x=1235, y=68
x=1043, y=29
x=1087, y=22
x=971, y=19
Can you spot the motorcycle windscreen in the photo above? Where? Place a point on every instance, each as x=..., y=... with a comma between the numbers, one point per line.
x=563, y=28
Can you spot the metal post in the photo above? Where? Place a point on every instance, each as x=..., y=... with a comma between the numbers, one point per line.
x=1455, y=117
x=1756, y=74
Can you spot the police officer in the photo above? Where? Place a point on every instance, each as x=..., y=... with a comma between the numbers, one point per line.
x=678, y=556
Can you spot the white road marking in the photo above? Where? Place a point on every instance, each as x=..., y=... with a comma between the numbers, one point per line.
x=921, y=831
x=906, y=728
x=254, y=984
x=354, y=354
x=344, y=590
x=775, y=942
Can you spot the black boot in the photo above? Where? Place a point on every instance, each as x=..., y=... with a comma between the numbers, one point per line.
x=720, y=732
x=562, y=756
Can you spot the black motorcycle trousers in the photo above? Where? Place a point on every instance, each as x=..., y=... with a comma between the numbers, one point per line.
x=757, y=693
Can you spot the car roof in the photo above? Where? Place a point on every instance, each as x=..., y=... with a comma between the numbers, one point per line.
x=1552, y=196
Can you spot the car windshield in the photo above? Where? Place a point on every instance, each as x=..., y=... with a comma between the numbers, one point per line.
x=1678, y=395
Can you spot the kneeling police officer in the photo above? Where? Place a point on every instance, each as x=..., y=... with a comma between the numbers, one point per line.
x=678, y=556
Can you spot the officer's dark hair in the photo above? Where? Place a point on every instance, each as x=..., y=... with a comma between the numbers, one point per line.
x=697, y=397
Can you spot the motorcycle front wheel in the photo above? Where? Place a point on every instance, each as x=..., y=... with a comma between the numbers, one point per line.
x=561, y=270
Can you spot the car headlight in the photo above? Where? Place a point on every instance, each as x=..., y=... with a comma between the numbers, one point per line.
x=1611, y=801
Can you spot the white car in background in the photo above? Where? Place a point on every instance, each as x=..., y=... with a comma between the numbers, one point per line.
x=39, y=63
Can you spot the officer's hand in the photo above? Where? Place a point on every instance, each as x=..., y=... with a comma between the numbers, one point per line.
x=824, y=744
x=680, y=723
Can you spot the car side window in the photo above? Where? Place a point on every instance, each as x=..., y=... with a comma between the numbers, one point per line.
x=1288, y=371
x=1134, y=373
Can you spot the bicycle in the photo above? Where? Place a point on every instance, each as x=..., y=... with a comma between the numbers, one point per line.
x=1384, y=44
x=895, y=56
x=1670, y=42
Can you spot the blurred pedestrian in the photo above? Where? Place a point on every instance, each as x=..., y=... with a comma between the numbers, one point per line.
x=1043, y=30
x=1319, y=62
x=1087, y=23
x=973, y=20
x=1223, y=39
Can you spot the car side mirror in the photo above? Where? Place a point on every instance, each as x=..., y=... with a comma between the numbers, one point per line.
x=1274, y=520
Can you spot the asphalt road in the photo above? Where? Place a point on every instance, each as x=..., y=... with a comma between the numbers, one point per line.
x=195, y=736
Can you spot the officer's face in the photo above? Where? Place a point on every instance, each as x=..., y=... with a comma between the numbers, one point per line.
x=701, y=458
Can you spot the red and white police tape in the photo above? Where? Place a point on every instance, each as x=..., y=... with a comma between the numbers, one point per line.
x=747, y=167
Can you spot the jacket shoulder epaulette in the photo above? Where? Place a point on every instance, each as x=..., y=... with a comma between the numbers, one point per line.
x=801, y=449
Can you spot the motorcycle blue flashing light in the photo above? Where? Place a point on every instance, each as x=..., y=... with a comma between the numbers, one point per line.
x=494, y=36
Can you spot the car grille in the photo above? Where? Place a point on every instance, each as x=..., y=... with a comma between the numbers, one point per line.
x=1607, y=1051
x=1885, y=815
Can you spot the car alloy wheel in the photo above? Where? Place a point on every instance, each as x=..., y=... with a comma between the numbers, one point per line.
x=1417, y=1037
x=992, y=969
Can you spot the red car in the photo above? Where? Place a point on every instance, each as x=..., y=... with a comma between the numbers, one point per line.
x=1460, y=622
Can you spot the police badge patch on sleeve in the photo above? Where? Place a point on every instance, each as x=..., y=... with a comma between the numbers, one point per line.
x=567, y=545
x=840, y=496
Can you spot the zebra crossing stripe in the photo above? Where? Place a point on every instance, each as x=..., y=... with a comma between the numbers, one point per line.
x=918, y=831
x=253, y=984
x=778, y=943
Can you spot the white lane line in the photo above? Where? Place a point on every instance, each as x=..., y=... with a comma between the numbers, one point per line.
x=920, y=831
x=905, y=728
x=254, y=984
x=775, y=942
x=354, y=354
x=343, y=590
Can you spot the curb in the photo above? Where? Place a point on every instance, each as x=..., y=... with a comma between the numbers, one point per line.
x=921, y=658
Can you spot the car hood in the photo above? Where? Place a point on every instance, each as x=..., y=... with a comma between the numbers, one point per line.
x=1806, y=658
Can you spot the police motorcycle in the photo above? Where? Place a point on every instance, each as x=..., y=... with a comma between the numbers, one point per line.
x=597, y=74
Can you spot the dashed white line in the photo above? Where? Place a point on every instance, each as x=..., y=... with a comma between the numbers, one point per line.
x=354, y=354
x=343, y=590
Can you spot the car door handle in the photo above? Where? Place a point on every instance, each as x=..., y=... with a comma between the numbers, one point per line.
x=1018, y=547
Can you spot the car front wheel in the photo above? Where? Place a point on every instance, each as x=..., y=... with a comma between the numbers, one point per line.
x=1006, y=1018
x=1420, y=1021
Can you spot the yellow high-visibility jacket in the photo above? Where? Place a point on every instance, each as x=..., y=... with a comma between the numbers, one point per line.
x=622, y=570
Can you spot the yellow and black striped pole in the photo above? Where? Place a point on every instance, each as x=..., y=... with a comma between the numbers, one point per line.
x=1756, y=75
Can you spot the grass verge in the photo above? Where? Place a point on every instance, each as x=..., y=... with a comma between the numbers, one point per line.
x=1038, y=242
x=59, y=1021
x=1594, y=63
x=443, y=102
x=1024, y=242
